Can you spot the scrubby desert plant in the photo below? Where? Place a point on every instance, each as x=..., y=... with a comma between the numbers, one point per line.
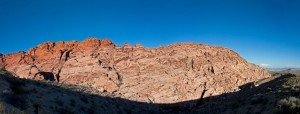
x=2, y=69
x=2, y=107
x=84, y=99
x=64, y=110
x=290, y=105
x=18, y=90
x=58, y=102
x=259, y=100
x=72, y=102
x=37, y=107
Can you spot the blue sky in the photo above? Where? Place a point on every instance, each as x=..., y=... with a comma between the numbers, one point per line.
x=265, y=32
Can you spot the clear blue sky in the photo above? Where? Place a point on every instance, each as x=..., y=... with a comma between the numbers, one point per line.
x=261, y=31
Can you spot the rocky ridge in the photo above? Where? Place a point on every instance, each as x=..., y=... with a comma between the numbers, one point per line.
x=175, y=73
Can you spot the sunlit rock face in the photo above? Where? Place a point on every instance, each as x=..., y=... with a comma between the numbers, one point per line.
x=175, y=73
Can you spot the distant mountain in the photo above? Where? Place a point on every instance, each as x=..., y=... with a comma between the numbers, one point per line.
x=281, y=69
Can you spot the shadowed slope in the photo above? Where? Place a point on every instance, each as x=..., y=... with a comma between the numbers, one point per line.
x=46, y=97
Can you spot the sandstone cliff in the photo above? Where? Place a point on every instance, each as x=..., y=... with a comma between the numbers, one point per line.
x=175, y=73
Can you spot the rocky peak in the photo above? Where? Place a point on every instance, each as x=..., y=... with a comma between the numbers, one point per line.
x=91, y=40
x=160, y=46
x=61, y=45
x=138, y=46
x=89, y=43
x=106, y=43
x=46, y=45
x=127, y=45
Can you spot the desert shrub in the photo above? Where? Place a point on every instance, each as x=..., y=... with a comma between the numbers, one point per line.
x=16, y=84
x=290, y=105
x=58, y=102
x=17, y=101
x=259, y=100
x=72, y=102
x=82, y=108
x=2, y=107
x=18, y=90
x=37, y=107
x=2, y=69
x=91, y=111
x=64, y=111
x=235, y=105
x=9, y=110
x=84, y=99
x=13, y=80
x=34, y=90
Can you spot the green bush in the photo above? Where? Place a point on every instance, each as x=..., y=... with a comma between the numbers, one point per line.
x=290, y=105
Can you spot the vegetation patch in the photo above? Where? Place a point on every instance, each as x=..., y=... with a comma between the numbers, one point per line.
x=290, y=105
x=17, y=101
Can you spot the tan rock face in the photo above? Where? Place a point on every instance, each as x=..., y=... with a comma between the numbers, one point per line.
x=178, y=72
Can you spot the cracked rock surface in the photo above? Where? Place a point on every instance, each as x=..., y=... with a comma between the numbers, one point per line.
x=175, y=73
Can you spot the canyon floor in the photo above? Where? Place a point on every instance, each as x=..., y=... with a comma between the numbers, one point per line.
x=277, y=94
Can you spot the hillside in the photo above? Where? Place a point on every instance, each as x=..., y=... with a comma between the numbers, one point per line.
x=171, y=74
x=280, y=95
x=45, y=97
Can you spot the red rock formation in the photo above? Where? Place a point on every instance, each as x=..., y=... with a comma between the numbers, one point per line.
x=14, y=58
x=178, y=72
x=127, y=45
x=90, y=43
x=138, y=46
x=106, y=43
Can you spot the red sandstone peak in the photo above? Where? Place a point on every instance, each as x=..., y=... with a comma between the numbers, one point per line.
x=66, y=45
x=117, y=46
x=89, y=43
x=127, y=45
x=106, y=43
x=138, y=46
x=160, y=46
x=91, y=40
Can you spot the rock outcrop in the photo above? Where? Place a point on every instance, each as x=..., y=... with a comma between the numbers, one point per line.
x=1, y=60
x=175, y=73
